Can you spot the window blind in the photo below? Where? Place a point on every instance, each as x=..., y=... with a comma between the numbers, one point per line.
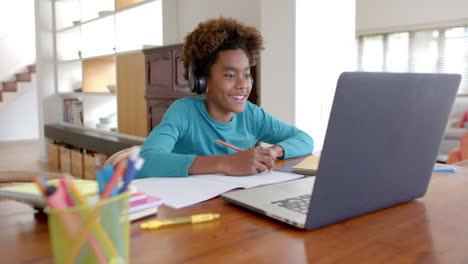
x=437, y=50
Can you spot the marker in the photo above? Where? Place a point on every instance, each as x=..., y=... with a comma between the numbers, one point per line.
x=114, y=180
x=40, y=185
x=444, y=170
x=194, y=219
x=130, y=174
x=135, y=151
x=228, y=145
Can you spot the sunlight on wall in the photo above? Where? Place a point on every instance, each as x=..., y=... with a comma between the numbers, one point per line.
x=325, y=47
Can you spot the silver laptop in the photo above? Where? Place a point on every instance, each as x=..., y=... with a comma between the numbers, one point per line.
x=380, y=147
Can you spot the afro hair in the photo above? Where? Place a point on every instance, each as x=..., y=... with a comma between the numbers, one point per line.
x=203, y=44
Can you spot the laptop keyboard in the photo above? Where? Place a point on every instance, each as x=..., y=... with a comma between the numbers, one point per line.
x=298, y=204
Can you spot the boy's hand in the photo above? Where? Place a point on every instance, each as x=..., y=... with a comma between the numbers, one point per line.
x=251, y=161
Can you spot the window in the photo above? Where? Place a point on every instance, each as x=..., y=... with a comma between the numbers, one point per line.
x=438, y=50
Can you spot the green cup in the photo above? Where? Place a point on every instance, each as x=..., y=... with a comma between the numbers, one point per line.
x=96, y=233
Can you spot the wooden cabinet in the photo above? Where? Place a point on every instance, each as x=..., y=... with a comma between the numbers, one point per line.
x=165, y=71
x=156, y=110
x=131, y=103
x=165, y=81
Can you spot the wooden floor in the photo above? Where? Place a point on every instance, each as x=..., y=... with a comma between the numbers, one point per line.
x=22, y=156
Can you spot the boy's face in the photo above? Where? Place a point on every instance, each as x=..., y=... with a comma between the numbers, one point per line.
x=228, y=85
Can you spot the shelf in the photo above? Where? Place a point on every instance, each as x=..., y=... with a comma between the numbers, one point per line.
x=68, y=61
x=93, y=139
x=98, y=38
x=78, y=94
x=68, y=44
x=126, y=21
x=111, y=13
x=66, y=28
x=98, y=74
x=140, y=3
x=87, y=45
x=65, y=13
x=90, y=9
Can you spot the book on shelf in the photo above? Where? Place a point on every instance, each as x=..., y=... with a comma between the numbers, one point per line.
x=73, y=111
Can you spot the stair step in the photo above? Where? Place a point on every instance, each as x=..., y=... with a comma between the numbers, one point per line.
x=32, y=68
x=23, y=77
x=9, y=86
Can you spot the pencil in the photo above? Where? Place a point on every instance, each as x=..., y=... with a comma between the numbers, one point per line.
x=40, y=185
x=229, y=145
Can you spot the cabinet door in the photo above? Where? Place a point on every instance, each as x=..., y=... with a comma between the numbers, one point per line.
x=131, y=102
x=156, y=110
x=159, y=70
x=180, y=84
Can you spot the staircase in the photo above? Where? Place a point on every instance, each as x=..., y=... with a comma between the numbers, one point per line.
x=10, y=88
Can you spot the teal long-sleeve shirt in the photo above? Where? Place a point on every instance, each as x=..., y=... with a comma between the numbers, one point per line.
x=187, y=131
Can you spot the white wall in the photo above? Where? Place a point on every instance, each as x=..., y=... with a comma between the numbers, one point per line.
x=377, y=16
x=277, y=64
x=190, y=13
x=17, y=37
x=325, y=47
x=19, y=117
x=17, y=50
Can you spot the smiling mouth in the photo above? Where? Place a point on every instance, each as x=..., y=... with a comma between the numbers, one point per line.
x=238, y=98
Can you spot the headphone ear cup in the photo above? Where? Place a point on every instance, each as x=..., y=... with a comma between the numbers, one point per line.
x=197, y=84
x=193, y=82
x=201, y=85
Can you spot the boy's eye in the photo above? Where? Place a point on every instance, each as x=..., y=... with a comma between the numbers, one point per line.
x=230, y=76
x=248, y=76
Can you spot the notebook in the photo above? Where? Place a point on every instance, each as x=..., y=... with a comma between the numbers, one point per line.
x=179, y=192
x=143, y=205
x=308, y=166
x=30, y=194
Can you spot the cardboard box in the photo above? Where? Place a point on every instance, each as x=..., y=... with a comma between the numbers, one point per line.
x=54, y=156
x=77, y=164
x=65, y=160
x=93, y=163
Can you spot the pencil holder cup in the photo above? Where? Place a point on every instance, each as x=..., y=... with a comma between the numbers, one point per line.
x=95, y=233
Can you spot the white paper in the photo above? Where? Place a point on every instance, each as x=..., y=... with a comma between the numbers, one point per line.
x=179, y=192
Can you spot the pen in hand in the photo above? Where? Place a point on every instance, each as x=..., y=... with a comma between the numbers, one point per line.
x=228, y=145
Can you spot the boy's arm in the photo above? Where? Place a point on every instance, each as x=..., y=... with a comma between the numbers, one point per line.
x=293, y=141
x=248, y=162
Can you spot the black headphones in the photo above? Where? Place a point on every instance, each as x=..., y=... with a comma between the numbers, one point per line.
x=197, y=84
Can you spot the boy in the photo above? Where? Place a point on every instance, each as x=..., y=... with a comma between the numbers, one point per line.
x=217, y=57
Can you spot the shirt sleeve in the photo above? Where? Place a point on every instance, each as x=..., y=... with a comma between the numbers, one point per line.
x=294, y=141
x=156, y=150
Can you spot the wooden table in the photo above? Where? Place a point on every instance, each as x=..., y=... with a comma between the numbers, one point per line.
x=433, y=229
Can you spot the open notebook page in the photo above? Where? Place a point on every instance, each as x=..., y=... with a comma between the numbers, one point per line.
x=184, y=191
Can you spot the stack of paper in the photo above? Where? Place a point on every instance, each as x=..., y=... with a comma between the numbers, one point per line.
x=143, y=205
x=308, y=166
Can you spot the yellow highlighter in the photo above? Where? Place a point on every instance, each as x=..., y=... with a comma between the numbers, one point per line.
x=194, y=219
